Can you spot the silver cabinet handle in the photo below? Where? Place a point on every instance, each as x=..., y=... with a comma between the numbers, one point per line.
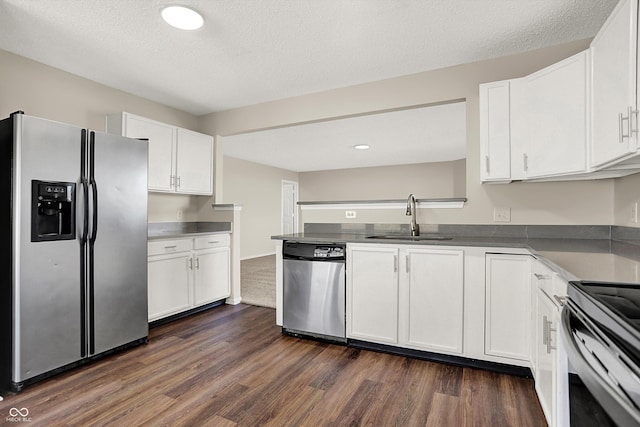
x=178, y=181
x=214, y=242
x=197, y=263
x=549, y=330
x=171, y=247
x=560, y=300
x=170, y=181
x=190, y=263
x=407, y=265
x=541, y=276
x=525, y=161
x=486, y=163
x=629, y=119
x=395, y=263
x=546, y=334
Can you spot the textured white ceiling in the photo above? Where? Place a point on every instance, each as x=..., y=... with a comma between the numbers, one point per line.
x=252, y=51
x=419, y=135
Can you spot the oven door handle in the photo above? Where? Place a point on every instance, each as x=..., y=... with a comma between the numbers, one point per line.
x=620, y=410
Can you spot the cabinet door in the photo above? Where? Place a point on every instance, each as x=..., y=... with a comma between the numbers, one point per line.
x=169, y=284
x=542, y=278
x=372, y=293
x=495, y=157
x=507, y=306
x=545, y=355
x=613, y=87
x=212, y=280
x=557, y=140
x=432, y=299
x=194, y=162
x=161, y=149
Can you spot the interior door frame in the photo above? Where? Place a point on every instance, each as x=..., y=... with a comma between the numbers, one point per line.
x=296, y=215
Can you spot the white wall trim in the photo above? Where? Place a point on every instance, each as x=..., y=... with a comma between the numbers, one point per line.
x=297, y=198
x=383, y=205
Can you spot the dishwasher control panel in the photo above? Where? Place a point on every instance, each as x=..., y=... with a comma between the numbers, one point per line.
x=313, y=251
x=328, y=252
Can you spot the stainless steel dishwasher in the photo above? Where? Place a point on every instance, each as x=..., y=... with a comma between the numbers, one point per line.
x=314, y=290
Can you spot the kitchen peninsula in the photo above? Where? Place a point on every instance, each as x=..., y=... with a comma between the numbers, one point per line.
x=474, y=295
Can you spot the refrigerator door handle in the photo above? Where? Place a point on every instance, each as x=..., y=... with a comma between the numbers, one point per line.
x=83, y=245
x=92, y=211
x=93, y=207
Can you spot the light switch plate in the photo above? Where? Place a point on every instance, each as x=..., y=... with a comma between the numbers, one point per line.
x=350, y=214
x=502, y=214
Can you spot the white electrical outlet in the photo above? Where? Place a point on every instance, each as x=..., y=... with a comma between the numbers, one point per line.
x=179, y=214
x=350, y=214
x=502, y=214
x=634, y=213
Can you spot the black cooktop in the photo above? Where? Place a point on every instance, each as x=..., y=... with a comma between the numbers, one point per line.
x=615, y=307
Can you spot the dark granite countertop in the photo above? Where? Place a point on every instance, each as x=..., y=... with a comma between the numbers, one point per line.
x=168, y=230
x=598, y=258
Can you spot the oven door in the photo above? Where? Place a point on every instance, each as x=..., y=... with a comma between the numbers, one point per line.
x=609, y=375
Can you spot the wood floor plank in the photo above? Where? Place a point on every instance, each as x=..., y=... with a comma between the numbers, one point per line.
x=444, y=411
x=231, y=366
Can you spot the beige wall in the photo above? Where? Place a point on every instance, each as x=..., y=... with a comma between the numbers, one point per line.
x=585, y=202
x=627, y=192
x=47, y=92
x=257, y=188
x=426, y=180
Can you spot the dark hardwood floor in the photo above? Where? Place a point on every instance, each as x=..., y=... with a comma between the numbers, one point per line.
x=232, y=366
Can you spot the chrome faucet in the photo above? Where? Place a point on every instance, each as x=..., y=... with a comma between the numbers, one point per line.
x=411, y=211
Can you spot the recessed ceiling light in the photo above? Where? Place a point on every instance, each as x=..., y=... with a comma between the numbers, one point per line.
x=361, y=147
x=182, y=17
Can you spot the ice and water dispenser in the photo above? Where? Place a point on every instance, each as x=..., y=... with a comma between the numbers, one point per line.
x=53, y=211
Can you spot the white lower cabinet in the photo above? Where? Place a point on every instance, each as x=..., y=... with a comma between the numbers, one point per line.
x=409, y=297
x=187, y=273
x=211, y=275
x=432, y=300
x=372, y=293
x=507, y=306
x=169, y=281
x=549, y=361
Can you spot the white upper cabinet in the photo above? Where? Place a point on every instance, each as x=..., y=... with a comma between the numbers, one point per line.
x=557, y=99
x=495, y=136
x=162, y=149
x=194, y=162
x=180, y=160
x=614, y=121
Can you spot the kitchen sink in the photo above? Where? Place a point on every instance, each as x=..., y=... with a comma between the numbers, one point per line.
x=411, y=238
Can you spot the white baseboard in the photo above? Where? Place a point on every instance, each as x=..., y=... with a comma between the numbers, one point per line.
x=234, y=301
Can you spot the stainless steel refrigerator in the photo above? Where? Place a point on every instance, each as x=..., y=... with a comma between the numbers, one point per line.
x=74, y=214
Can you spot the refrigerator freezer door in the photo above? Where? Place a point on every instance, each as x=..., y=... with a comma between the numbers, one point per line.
x=120, y=249
x=46, y=274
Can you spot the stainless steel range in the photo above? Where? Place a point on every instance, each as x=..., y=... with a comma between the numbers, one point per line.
x=601, y=332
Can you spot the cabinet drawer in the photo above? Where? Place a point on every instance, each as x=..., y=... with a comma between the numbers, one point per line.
x=211, y=241
x=159, y=247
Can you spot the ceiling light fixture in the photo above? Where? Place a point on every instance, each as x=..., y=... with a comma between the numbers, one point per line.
x=182, y=17
x=361, y=147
